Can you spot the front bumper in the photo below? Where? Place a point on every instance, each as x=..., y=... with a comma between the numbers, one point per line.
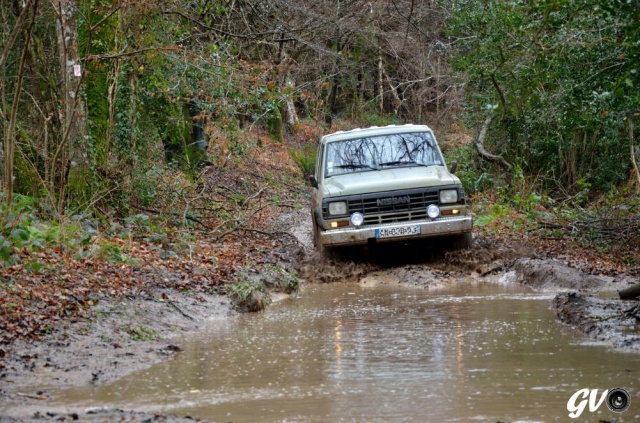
x=428, y=228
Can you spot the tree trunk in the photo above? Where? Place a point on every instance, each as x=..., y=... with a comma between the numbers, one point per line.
x=74, y=134
x=380, y=84
x=634, y=162
x=9, y=123
x=484, y=153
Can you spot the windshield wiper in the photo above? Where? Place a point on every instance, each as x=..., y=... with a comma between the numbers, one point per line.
x=356, y=166
x=405, y=162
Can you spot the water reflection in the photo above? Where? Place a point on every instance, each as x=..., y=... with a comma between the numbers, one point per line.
x=344, y=353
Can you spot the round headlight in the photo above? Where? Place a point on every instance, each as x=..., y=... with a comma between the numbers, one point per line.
x=357, y=219
x=433, y=211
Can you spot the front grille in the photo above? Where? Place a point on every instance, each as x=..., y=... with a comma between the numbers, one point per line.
x=396, y=217
x=392, y=206
x=374, y=204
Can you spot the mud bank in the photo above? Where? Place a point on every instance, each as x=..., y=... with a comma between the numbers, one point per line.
x=587, y=303
x=102, y=416
x=118, y=338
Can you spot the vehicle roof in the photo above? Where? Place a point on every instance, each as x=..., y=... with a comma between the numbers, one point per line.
x=374, y=130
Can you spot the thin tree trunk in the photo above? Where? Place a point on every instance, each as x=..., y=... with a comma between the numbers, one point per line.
x=10, y=135
x=75, y=133
x=380, y=84
x=14, y=33
x=634, y=162
x=5, y=113
x=292, y=115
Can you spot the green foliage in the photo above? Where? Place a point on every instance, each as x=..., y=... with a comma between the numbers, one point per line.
x=274, y=122
x=495, y=212
x=473, y=177
x=305, y=158
x=282, y=280
x=22, y=229
x=110, y=252
x=561, y=81
x=522, y=194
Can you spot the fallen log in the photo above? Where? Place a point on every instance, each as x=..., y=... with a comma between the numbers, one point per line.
x=630, y=293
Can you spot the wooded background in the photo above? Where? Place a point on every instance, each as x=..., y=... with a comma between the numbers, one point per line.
x=98, y=98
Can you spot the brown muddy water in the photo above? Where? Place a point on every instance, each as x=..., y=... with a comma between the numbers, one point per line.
x=343, y=352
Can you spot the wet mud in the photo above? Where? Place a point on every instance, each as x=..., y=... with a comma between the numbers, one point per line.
x=102, y=416
x=587, y=303
x=125, y=336
x=117, y=339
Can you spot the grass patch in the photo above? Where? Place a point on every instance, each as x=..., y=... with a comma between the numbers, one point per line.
x=141, y=333
x=305, y=158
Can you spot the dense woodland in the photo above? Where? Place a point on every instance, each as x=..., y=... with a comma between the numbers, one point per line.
x=103, y=102
x=153, y=144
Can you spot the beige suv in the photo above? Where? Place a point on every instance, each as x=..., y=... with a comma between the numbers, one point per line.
x=384, y=184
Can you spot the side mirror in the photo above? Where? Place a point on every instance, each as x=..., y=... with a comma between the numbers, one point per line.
x=313, y=181
x=454, y=166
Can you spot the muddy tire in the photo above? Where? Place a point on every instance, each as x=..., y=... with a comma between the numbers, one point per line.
x=327, y=253
x=324, y=251
x=461, y=242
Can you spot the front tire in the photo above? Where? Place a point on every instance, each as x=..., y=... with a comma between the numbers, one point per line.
x=462, y=241
x=323, y=250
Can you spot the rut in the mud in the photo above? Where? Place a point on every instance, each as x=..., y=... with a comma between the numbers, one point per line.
x=487, y=256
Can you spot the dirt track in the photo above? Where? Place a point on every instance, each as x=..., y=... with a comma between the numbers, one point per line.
x=127, y=336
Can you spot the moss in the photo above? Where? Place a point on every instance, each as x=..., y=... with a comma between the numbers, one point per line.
x=274, y=125
x=26, y=180
x=249, y=296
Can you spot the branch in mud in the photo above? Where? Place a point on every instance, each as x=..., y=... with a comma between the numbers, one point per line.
x=184, y=216
x=484, y=153
x=166, y=298
x=257, y=231
x=630, y=293
x=613, y=229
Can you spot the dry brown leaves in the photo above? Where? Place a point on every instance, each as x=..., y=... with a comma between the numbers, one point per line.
x=35, y=302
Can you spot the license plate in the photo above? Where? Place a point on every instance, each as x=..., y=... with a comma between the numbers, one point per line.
x=401, y=231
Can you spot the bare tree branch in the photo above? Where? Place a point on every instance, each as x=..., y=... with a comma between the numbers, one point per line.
x=484, y=153
x=14, y=33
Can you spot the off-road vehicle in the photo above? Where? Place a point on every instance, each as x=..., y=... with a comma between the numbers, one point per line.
x=384, y=184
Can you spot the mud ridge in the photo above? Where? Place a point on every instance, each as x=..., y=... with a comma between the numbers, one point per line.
x=587, y=303
x=611, y=322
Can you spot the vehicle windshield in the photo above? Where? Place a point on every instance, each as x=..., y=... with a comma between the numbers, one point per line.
x=381, y=152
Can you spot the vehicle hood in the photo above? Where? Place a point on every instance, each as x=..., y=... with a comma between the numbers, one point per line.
x=387, y=180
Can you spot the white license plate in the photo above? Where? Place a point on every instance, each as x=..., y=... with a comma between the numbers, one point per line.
x=401, y=231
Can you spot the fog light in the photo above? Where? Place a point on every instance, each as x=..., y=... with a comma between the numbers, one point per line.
x=433, y=211
x=357, y=219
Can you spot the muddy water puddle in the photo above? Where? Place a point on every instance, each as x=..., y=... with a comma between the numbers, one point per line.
x=343, y=352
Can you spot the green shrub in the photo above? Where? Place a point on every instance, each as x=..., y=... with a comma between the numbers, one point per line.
x=22, y=229
x=305, y=158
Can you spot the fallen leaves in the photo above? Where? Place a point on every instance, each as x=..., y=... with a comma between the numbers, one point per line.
x=65, y=285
